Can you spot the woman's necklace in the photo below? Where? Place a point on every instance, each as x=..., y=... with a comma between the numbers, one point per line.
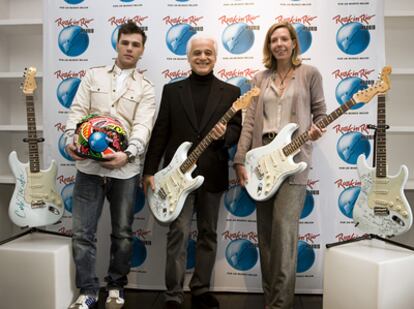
x=282, y=86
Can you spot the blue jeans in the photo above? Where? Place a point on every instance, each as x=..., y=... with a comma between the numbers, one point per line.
x=88, y=199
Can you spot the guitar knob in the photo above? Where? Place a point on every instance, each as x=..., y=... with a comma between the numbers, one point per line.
x=404, y=213
x=398, y=208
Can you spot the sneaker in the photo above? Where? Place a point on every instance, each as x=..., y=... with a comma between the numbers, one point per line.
x=84, y=302
x=204, y=301
x=115, y=299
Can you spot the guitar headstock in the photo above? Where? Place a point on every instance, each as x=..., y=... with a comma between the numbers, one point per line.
x=245, y=99
x=29, y=84
x=381, y=86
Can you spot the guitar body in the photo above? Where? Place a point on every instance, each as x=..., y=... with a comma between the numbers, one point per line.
x=172, y=187
x=381, y=207
x=267, y=166
x=35, y=201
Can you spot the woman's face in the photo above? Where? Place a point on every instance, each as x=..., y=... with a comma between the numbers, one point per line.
x=281, y=44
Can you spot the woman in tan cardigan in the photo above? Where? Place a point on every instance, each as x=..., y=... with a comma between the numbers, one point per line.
x=290, y=92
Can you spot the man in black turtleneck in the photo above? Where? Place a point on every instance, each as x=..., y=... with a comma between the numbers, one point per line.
x=189, y=110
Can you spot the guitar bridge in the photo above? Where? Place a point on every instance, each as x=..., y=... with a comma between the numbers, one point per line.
x=38, y=204
x=381, y=211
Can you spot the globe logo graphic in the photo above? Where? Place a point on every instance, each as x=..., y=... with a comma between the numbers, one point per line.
x=347, y=88
x=66, y=91
x=74, y=1
x=73, y=41
x=139, y=201
x=241, y=254
x=347, y=199
x=309, y=205
x=139, y=252
x=177, y=38
x=351, y=145
x=66, y=194
x=191, y=252
x=181, y=0
x=306, y=257
x=237, y=38
x=242, y=82
x=127, y=0
x=238, y=202
x=352, y=38
x=304, y=37
x=114, y=37
x=62, y=149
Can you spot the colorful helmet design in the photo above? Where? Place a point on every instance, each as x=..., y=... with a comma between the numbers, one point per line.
x=98, y=136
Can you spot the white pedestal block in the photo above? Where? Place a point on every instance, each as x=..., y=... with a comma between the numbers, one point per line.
x=369, y=274
x=37, y=272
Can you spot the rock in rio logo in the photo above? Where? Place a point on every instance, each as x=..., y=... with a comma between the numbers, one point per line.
x=175, y=76
x=74, y=1
x=73, y=39
x=68, y=87
x=352, y=144
x=241, y=251
x=238, y=36
x=306, y=252
x=353, y=36
x=139, y=250
x=239, y=78
x=349, y=195
x=180, y=32
x=117, y=22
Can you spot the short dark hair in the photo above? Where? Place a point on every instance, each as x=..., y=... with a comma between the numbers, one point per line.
x=130, y=27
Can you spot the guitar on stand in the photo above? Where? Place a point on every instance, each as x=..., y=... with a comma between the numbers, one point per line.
x=268, y=166
x=174, y=183
x=381, y=207
x=35, y=201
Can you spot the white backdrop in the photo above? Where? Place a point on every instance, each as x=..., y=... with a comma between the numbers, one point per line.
x=344, y=39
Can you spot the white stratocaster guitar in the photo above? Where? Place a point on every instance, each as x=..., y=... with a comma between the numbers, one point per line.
x=35, y=201
x=174, y=182
x=381, y=208
x=268, y=166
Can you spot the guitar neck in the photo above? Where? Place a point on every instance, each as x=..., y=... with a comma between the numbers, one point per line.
x=298, y=141
x=380, y=140
x=202, y=146
x=32, y=136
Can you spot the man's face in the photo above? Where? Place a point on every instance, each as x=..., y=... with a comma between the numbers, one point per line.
x=130, y=48
x=202, y=56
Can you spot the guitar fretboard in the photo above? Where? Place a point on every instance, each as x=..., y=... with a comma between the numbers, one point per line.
x=199, y=149
x=380, y=140
x=32, y=136
x=298, y=141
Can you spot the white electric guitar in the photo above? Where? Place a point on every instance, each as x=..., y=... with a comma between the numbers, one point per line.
x=174, y=182
x=381, y=207
x=268, y=166
x=35, y=201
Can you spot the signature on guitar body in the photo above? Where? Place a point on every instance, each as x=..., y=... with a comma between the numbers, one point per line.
x=381, y=207
x=35, y=201
x=174, y=183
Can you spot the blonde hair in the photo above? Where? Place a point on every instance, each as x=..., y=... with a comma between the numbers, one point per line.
x=269, y=60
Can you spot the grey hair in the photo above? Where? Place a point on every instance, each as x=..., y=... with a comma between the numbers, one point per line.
x=199, y=36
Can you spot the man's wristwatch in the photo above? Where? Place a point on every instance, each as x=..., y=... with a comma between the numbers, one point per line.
x=131, y=157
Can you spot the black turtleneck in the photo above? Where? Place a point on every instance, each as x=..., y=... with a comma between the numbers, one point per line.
x=200, y=90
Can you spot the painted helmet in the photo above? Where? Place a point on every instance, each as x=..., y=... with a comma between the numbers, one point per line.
x=97, y=136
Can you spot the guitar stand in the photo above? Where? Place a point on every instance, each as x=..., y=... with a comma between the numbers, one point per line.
x=371, y=236
x=30, y=231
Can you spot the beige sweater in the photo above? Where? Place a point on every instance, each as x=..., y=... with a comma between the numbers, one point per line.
x=308, y=106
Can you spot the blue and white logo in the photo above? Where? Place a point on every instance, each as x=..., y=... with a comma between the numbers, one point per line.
x=191, y=253
x=62, y=148
x=74, y=1
x=66, y=91
x=347, y=199
x=114, y=37
x=66, y=194
x=309, y=205
x=353, y=38
x=304, y=37
x=177, y=79
x=347, y=88
x=73, y=41
x=238, y=202
x=127, y=0
x=242, y=82
x=181, y=0
x=139, y=201
x=241, y=254
x=139, y=252
x=237, y=38
x=177, y=38
x=306, y=257
x=351, y=145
